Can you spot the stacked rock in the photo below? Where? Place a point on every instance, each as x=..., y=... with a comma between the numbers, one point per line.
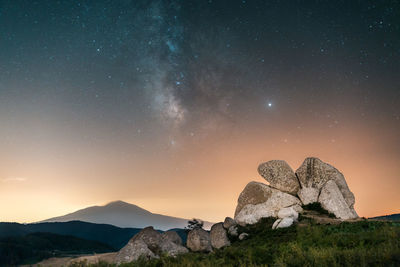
x=314, y=181
x=282, y=198
x=198, y=240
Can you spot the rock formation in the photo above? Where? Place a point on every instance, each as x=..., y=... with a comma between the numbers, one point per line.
x=280, y=176
x=133, y=251
x=198, y=240
x=171, y=236
x=333, y=201
x=228, y=222
x=254, y=193
x=149, y=243
x=314, y=181
x=219, y=236
x=314, y=173
x=151, y=237
x=172, y=249
x=308, y=195
x=266, y=203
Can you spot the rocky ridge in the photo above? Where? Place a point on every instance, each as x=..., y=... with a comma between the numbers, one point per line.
x=313, y=182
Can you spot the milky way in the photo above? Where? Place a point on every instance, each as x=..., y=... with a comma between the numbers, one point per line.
x=104, y=91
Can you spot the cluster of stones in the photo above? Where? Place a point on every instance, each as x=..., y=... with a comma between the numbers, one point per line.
x=149, y=244
x=314, y=181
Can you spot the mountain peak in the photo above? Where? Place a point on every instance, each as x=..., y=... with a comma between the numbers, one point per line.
x=118, y=203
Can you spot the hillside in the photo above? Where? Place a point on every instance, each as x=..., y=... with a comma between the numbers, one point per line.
x=108, y=234
x=362, y=243
x=392, y=217
x=37, y=246
x=122, y=214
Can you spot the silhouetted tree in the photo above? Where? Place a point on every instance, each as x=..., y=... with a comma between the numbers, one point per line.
x=194, y=224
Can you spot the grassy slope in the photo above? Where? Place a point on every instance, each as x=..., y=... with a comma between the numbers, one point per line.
x=363, y=243
x=114, y=236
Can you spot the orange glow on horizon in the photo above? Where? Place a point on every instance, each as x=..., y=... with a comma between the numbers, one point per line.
x=201, y=181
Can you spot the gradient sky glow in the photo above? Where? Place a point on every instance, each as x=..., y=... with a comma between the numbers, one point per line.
x=171, y=105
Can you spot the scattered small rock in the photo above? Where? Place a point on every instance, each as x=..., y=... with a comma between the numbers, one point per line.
x=285, y=222
x=276, y=223
x=288, y=212
x=243, y=236
x=228, y=222
x=233, y=230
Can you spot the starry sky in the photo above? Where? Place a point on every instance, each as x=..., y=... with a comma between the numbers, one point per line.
x=171, y=105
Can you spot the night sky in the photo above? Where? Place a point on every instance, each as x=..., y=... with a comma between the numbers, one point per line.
x=171, y=105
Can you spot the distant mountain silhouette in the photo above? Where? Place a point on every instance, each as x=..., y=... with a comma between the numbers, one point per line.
x=392, y=217
x=108, y=234
x=124, y=214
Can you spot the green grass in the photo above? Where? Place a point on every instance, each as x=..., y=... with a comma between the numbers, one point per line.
x=363, y=243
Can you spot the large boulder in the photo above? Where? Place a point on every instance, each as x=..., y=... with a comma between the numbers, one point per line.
x=199, y=240
x=172, y=249
x=218, y=236
x=133, y=251
x=254, y=193
x=150, y=237
x=228, y=222
x=332, y=200
x=149, y=243
x=276, y=200
x=171, y=236
x=308, y=195
x=280, y=176
x=314, y=173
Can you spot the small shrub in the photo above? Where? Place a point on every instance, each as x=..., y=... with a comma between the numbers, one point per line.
x=194, y=224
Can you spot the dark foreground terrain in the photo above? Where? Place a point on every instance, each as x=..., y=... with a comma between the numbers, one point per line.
x=113, y=236
x=31, y=243
x=31, y=248
x=361, y=243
